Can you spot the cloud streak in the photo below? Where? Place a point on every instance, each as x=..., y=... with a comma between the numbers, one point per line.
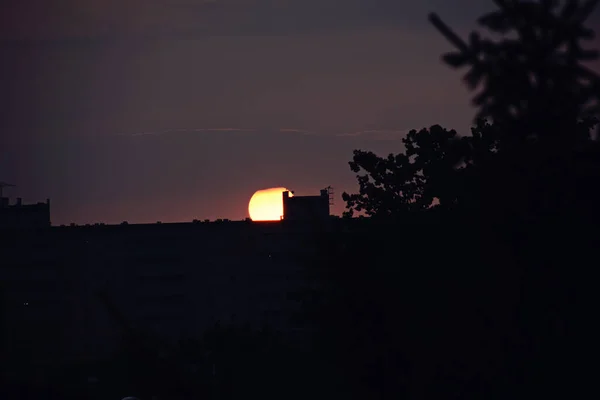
x=218, y=130
x=175, y=131
x=372, y=134
x=377, y=134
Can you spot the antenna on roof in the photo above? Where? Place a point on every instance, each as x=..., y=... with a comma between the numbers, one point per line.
x=3, y=185
x=330, y=194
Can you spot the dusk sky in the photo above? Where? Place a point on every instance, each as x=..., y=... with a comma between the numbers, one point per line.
x=170, y=110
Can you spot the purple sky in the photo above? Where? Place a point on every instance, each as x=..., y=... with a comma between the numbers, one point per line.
x=146, y=110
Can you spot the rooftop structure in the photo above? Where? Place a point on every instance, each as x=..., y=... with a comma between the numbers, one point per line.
x=305, y=208
x=22, y=216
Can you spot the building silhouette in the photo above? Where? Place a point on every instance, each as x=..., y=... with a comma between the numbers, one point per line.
x=23, y=216
x=172, y=280
x=306, y=208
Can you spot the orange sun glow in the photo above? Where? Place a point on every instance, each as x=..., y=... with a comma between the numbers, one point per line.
x=267, y=204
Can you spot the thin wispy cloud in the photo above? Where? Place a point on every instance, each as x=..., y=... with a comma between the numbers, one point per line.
x=215, y=130
x=185, y=130
x=292, y=130
x=377, y=134
x=373, y=134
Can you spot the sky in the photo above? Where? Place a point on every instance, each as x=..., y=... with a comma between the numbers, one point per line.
x=174, y=110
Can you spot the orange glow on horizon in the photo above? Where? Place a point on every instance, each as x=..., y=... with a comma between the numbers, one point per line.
x=267, y=204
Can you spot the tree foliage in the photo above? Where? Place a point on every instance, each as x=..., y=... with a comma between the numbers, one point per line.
x=432, y=172
x=533, y=82
x=398, y=183
x=537, y=159
x=535, y=155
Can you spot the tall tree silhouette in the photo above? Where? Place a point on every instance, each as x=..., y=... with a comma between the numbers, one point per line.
x=544, y=102
x=535, y=88
x=533, y=80
x=535, y=158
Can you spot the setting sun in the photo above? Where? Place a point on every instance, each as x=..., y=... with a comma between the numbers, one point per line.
x=267, y=204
